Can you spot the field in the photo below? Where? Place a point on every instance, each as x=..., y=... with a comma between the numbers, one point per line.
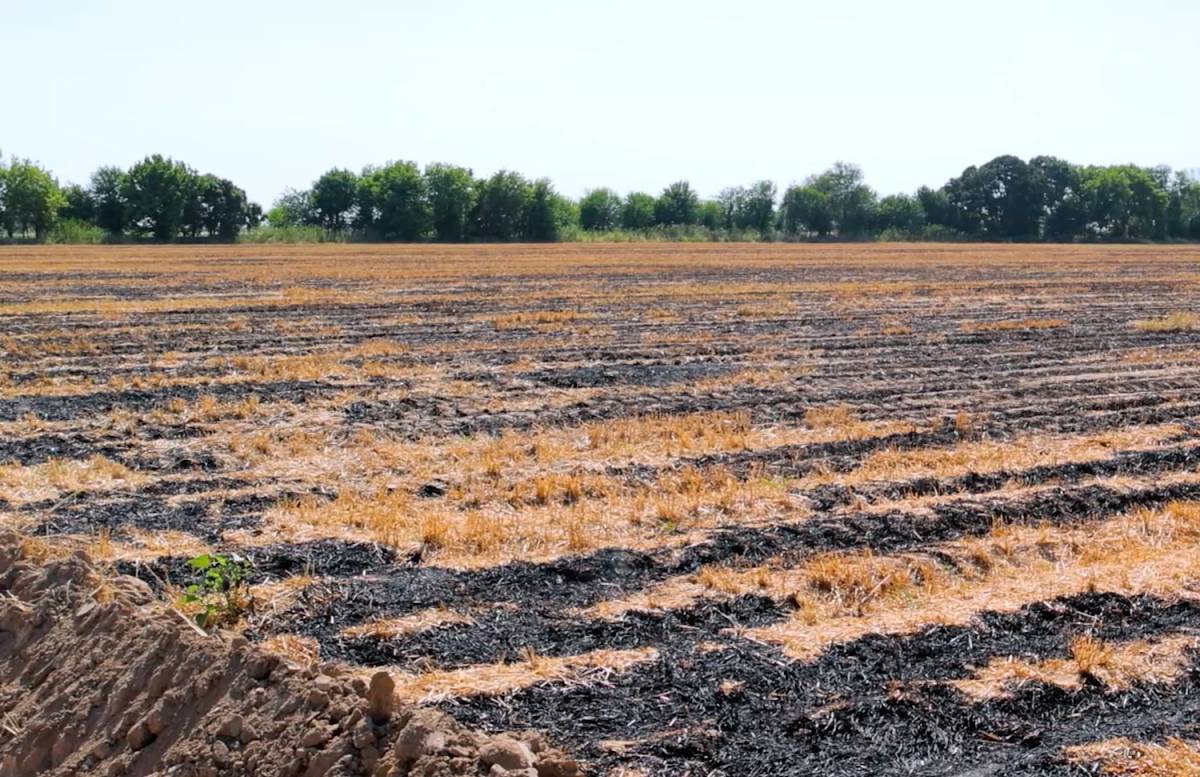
x=687, y=509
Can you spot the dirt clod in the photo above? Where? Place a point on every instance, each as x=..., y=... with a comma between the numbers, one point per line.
x=165, y=699
x=423, y=735
x=509, y=754
x=381, y=697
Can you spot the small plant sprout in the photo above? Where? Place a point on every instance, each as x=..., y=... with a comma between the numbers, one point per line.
x=221, y=596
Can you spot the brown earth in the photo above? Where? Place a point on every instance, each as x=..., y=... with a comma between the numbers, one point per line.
x=97, y=678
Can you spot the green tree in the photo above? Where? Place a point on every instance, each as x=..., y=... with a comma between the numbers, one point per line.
x=900, y=213
x=637, y=212
x=396, y=197
x=254, y=215
x=806, y=210
x=81, y=205
x=600, y=210
x=937, y=208
x=756, y=208
x=1063, y=210
x=32, y=200
x=730, y=201
x=1003, y=199
x=1123, y=202
x=108, y=187
x=548, y=212
x=1183, y=207
x=225, y=208
x=156, y=191
x=849, y=201
x=1150, y=201
x=451, y=198
x=1109, y=197
x=501, y=206
x=333, y=197
x=293, y=208
x=194, y=204
x=710, y=215
x=678, y=204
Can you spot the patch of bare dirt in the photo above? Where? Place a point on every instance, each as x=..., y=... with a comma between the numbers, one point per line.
x=99, y=678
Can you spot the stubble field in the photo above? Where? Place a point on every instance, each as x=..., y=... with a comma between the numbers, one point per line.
x=688, y=509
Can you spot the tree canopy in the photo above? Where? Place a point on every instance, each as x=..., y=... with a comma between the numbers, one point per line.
x=1006, y=198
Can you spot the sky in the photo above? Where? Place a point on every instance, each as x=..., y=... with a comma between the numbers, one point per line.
x=631, y=94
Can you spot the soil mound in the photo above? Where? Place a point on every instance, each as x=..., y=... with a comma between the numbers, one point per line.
x=98, y=678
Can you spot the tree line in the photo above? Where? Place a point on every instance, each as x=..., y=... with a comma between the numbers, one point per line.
x=158, y=199
x=1005, y=199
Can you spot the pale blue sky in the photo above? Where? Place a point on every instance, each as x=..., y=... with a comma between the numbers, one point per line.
x=626, y=93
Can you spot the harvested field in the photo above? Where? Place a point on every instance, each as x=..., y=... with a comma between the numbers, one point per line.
x=684, y=509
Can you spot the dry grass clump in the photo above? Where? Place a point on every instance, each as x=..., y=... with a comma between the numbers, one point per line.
x=143, y=545
x=1117, y=666
x=1179, y=321
x=758, y=377
x=543, y=318
x=485, y=522
x=1005, y=326
x=309, y=366
x=842, y=583
x=381, y=515
x=55, y=477
x=832, y=417
x=767, y=309
x=671, y=435
x=987, y=456
x=208, y=408
x=47, y=345
x=1145, y=551
x=496, y=679
x=1124, y=757
x=379, y=346
x=841, y=422
x=414, y=623
x=40, y=550
x=461, y=538
x=661, y=315
x=298, y=650
x=1161, y=356
x=278, y=595
x=854, y=582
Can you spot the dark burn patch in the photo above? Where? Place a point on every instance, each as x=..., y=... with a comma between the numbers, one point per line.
x=38, y=449
x=615, y=373
x=317, y=558
x=404, y=588
x=205, y=518
x=505, y=634
x=878, y=705
x=27, y=451
x=68, y=408
x=802, y=459
x=1129, y=463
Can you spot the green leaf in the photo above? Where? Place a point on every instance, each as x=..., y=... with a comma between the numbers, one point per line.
x=200, y=562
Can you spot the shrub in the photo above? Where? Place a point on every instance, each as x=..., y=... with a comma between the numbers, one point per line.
x=941, y=232
x=290, y=234
x=76, y=232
